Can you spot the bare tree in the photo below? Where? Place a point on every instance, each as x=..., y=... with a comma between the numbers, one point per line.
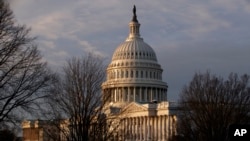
x=77, y=98
x=23, y=75
x=210, y=104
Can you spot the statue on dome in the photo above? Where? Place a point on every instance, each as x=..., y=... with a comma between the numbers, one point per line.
x=134, y=10
x=134, y=16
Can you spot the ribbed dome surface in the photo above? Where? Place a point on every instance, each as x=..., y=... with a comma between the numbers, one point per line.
x=134, y=49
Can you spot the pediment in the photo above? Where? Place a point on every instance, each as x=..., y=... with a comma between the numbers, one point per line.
x=134, y=107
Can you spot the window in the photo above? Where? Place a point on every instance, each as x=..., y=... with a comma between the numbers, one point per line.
x=122, y=73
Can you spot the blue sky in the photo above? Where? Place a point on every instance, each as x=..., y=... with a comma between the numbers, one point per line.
x=188, y=36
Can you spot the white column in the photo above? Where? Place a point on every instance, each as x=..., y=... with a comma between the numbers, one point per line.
x=137, y=128
x=145, y=128
x=115, y=95
x=157, y=128
x=170, y=125
x=153, y=128
x=132, y=128
x=168, y=130
x=126, y=129
x=141, y=127
x=129, y=128
x=161, y=129
x=149, y=130
x=133, y=125
x=165, y=127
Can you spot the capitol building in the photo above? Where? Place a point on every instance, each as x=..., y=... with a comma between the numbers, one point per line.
x=135, y=95
x=134, y=89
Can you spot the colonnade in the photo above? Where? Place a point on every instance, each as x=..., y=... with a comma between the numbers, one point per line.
x=157, y=128
x=135, y=94
x=135, y=73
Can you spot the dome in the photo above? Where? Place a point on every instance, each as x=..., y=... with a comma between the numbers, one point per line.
x=134, y=49
x=134, y=74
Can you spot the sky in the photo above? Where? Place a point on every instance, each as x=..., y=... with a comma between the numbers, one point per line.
x=188, y=36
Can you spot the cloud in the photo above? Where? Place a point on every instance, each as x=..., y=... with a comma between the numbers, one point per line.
x=187, y=36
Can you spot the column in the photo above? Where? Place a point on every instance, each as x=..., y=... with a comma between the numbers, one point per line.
x=145, y=128
x=115, y=95
x=156, y=93
x=149, y=130
x=122, y=93
x=151, y=94
x=161, y=129
x=129, y=128
x=126, y=94
x=137, y=128
x=141, y=127
x=112, y=96
x=140, y=99
x=134, y=93
x=126, y=128
x=133, y=129
x=152, y=128
x=165, y=96
x=170, y=127
x=129, y=94
x=156, y=128
x=122, y=129
x=161, y=95
x=165, y=127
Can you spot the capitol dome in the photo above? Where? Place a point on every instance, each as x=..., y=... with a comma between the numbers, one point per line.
x=134, y=48
x=134, y=74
